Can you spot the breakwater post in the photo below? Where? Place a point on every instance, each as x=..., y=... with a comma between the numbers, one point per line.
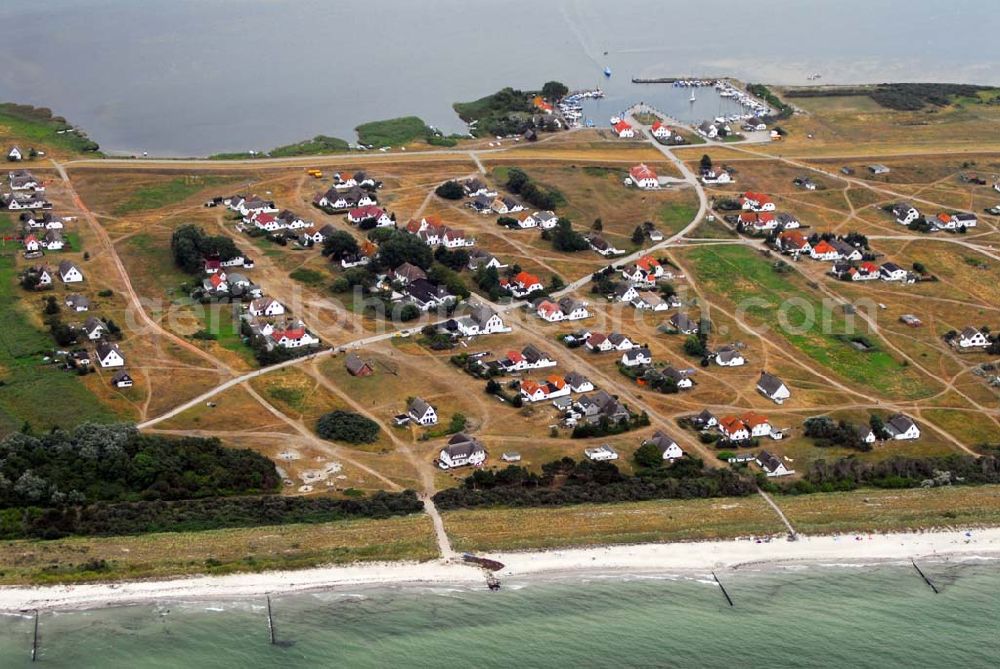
x=34, y=639
x=723, y=588
x=923, y=576
x=270, y=620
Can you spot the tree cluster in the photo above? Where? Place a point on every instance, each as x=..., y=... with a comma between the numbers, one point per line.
x=117, y=463
x=565, y=238
x=347, y=426
x=567, y=481
x=190, y=246
x=192, y=515
x=519, y=183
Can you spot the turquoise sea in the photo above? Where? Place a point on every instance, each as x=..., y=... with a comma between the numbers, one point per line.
x=818, y=616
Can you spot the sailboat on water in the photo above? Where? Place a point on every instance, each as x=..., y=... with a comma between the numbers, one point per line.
x=691, y=99
x=607, y=72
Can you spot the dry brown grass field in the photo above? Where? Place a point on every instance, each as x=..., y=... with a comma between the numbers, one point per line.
x=215, y=552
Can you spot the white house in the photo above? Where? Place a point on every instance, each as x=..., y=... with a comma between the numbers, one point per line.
x=625, y=293
x=421, y=413
x=121, y=379
x=70, y=273
x=644, y=177
x=773, y=388
x=599, y=343
x=266, y=306
x=733, y=428
x=15, y=154
x=624, y=130
x=522, y=284
x=462, y=450
x=573, y=310
x=729, y=357
x=293, y=337
x=902, y=427
x=579, y=383
x=660, y=130
x=650, y=301
x=94, y=328
x=601, y=453
x=972, y=338
x=54, y=240
x=890, y=271
x=713, y=177
x=31, y=244
x=109, y=355
x=481, y=321
x=620, y=342
x=636, y=357
x=667, y=446
x=772, y=465
x=824, y=251
x=905, y=213
x=549, y=311
x=551, y=388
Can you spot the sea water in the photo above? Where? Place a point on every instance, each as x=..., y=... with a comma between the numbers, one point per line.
x=818, y=616
x=194, y=77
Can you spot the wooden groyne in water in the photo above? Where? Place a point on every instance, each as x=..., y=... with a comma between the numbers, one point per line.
x=34, y=639
x=924, y=576
x=723, y=588
x=270, y=620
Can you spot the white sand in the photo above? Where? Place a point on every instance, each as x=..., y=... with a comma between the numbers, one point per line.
x=634, y=559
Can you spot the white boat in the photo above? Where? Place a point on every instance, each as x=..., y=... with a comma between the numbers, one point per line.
x=691, y=99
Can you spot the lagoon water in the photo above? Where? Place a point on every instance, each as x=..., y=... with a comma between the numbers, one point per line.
x=194, y=77
x=840, y=616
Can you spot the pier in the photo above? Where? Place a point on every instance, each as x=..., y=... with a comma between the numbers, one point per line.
x=723, y=588
x=924, y=576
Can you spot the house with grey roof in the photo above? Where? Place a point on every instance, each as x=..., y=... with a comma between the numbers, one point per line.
x=421, y=412
x=77, y=302
x=773, y=388
x=667, y=446
x=462, y=450
x=482, y=320
x=94, y=328
x=772, y=465
x=681, y=323
x=902, y=427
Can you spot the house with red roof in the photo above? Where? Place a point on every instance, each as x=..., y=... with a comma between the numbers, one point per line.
x=522, y=284
x=370, y=212
x=549, y=311
x=866, y=271
x=660, y=130
x=646, y=270
x=552, y=387
x=541, y=104
x=31, y=243
x=824, y=251
x=793, y=242
x=623, y=130
x=295, y=336
x=644, y=177
x=756, y=202
x=733, y=428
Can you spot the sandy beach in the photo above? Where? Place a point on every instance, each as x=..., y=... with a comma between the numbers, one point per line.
x=632, y=559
